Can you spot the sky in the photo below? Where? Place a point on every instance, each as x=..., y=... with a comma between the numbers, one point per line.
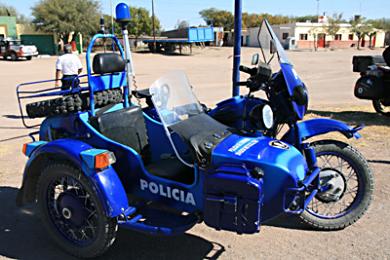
x=171, y=11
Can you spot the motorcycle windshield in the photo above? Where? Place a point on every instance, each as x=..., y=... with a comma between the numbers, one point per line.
x=272, y=49
x=174, y=99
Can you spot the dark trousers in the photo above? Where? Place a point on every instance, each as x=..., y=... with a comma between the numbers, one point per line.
x=70, y=81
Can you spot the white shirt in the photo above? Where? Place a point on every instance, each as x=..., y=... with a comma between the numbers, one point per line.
x=69, y=64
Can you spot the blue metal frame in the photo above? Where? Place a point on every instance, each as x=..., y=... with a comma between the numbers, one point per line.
x=102, y=80
x=237, y=47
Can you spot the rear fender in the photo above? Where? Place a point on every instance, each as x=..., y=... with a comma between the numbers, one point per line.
x=106, y=182
x=320, y=126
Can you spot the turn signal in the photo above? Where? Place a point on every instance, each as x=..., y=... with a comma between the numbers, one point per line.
x=24, y=149
x=104, y=160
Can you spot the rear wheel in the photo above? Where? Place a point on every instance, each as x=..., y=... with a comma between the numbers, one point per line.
x=381, y=107
x=347, y=186
x=72, y=213
x=14, y=57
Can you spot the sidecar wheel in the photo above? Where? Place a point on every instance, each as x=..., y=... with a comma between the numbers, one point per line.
x=72, y=213
x=348, y=186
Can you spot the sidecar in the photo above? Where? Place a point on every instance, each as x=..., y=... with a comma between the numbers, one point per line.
x=159, y=170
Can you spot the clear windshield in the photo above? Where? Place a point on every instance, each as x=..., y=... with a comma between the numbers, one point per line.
x=270, y=45
x=174, y=99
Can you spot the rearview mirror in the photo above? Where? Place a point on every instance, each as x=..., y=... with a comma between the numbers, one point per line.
x=255, y=59
x=272, y=48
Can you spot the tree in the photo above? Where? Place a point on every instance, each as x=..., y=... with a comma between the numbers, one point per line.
x=383, y=24
x=333, y=25
x=141, y=22
x=65, y=17
x=182, y=24
x=218, y=18
x=361, y=28
x=6, y=10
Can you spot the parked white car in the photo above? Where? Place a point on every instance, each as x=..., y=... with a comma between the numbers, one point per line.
x=14, y=49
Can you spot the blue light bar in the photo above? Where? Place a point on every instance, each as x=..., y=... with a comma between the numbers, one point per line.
x=122, y=13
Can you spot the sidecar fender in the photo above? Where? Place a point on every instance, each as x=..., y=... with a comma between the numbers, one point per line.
x=106, y=182
x=314, y=127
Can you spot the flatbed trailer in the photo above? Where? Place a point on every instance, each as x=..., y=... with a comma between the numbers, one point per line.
x=177, y=39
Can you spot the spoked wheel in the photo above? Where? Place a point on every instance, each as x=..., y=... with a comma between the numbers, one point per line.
x=381, y=108
x=72, y=214
x=346, y=187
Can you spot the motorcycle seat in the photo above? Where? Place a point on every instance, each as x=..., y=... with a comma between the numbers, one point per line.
x=202, y=133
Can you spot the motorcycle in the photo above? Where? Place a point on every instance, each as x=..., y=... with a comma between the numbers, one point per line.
x=286, y=104
x=163, y=168
x=374, y=81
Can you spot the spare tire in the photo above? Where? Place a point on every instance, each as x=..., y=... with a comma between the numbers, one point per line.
x=72, y=103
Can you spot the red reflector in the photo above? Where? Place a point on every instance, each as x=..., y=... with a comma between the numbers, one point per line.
x=24, y=149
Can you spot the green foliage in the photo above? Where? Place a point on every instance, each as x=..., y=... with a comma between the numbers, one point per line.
x=141, y=22
x=333, y=26
x=303, y=19
x=64, y=17
x=182, y=24
x=6, y=10
x=218, y=18
x=361, y=27
x=383, y=24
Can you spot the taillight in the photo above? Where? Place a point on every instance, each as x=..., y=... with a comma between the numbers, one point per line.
x=104, y=160
x=24, y=149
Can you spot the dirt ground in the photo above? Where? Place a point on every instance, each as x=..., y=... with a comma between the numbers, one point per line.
x=330, y=80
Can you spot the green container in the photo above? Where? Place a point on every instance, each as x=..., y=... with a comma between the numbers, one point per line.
x=46, y=43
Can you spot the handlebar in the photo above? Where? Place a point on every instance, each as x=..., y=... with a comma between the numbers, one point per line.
x=250, y=71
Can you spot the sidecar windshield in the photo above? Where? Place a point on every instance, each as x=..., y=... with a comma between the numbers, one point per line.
x=270, y=44
x=174, y=99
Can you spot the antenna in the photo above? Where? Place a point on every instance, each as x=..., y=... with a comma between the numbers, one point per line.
x=154, y=28
x=112, y=19
x=318, y=8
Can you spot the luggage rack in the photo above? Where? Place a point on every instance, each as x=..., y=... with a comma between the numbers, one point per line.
x=23, y=94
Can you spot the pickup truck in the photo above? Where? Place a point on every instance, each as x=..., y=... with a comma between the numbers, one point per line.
x=14, y=49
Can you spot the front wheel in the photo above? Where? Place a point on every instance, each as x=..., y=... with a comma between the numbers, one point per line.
x=381, y=108
x=72, y=213
x=346, y=187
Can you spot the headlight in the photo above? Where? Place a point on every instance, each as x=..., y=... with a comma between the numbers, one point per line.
x=262, y=117
x=268, y=117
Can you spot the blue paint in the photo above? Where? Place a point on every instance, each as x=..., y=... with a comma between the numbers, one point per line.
x=110, y=189
x=293, y=81
x=122, y=12
x=30, y=147
x=237, y=46
x=88, y=156
x=319, y=126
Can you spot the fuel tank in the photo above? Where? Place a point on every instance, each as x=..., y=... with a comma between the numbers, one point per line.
x=281, y=166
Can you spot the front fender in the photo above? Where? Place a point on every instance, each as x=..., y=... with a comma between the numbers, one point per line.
x=106, y=182
x=320, y=126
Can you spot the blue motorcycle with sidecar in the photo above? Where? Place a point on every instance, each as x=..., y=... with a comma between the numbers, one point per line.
x=167, y=166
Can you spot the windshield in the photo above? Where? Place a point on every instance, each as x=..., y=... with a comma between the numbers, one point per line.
x=174, y=99
x=270, y=44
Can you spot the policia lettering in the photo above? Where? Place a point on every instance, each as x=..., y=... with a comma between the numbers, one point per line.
x=168, y=192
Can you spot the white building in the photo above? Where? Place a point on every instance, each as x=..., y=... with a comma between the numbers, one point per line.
x=309, y=35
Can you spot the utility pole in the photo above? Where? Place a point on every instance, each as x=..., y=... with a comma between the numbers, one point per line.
x=154, y=28
x=318, y=10
x=112, y=19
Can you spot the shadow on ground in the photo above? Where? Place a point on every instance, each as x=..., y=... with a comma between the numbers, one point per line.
x=354, y=117
x=22, y=237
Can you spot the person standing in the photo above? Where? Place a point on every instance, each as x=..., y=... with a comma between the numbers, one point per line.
x=69, y=65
